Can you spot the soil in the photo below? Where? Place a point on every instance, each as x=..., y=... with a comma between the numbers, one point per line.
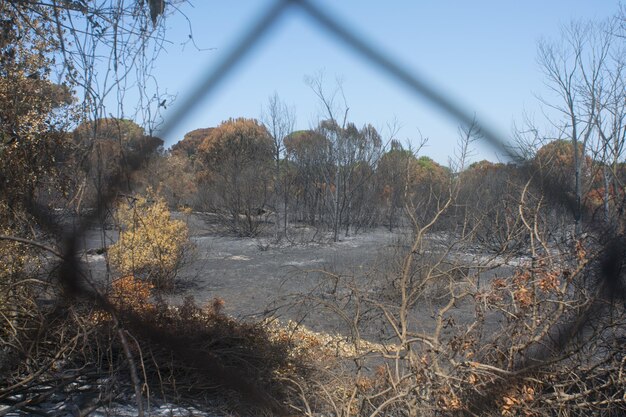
x=257, y=277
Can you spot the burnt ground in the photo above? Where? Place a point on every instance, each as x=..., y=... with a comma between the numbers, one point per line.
x=258, y=276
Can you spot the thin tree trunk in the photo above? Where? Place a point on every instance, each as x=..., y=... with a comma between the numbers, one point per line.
x=577, y=185
x=606, y=195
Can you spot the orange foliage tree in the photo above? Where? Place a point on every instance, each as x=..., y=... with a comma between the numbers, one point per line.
x=556, y=158
x=237, y=156
x=554, y=162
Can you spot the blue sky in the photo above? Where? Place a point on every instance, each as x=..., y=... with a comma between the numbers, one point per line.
x=480, y=53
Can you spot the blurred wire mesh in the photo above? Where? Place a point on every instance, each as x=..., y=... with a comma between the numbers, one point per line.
x=71, y=275
x=352, y=42
x=377, y=59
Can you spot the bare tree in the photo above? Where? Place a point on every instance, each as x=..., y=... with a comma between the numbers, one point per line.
x=279, y=121
x=609, y=96
x=332, y=130
x=352, y=152
x=575, y=68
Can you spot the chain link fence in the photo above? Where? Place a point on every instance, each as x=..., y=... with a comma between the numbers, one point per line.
x=606, y=277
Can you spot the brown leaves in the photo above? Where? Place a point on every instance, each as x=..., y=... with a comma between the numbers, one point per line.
x=581, y=253
x=449, y=401
x=526, y=287
x=130, y=292
x=515, y=402
x=523, y=297
x=549, y=281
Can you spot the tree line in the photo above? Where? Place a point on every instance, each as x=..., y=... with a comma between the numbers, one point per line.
x=344, y=179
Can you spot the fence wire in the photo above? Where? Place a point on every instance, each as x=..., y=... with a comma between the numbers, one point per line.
x=73, y=279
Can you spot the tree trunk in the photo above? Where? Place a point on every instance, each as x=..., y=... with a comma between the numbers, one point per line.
x=606, y=196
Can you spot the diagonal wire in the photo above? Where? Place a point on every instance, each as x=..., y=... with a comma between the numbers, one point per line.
x=409, y=79
x=244, y=46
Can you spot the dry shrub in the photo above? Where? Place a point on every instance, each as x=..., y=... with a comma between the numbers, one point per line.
x=22, y=284
x=151, y=244
x=190, y=353
x=544, y=339
x=132, y=293
x=187, y=354
x=128, y=294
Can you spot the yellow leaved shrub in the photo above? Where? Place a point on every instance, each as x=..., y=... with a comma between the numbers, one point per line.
x=151, y=244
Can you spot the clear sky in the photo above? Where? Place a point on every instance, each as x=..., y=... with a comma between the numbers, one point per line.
x=480, y=53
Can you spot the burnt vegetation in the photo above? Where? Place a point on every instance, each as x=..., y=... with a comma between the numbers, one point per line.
x=503, y=293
